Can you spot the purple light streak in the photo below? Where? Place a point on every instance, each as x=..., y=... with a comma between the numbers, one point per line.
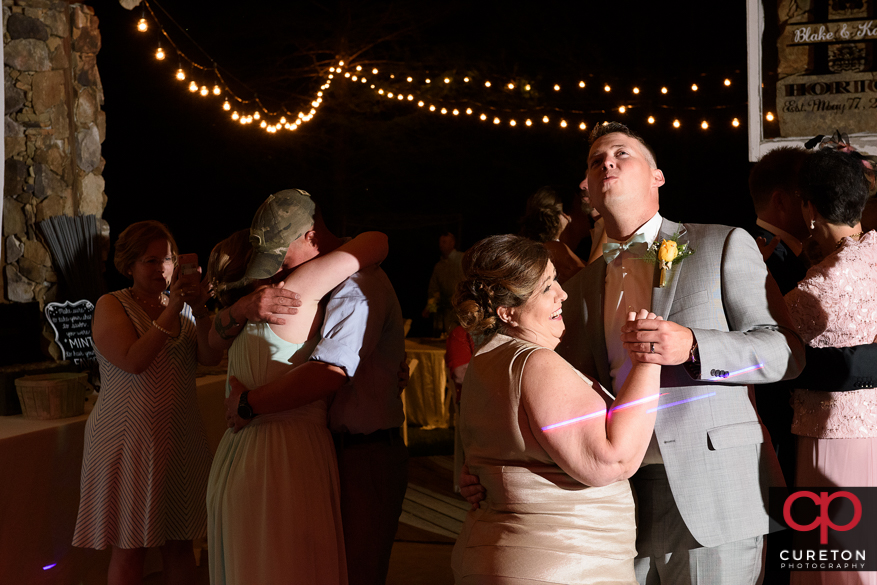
x=47, y=567
x=602, y=412
x=678, y=402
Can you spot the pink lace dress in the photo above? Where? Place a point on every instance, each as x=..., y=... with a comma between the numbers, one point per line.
x=836, y=306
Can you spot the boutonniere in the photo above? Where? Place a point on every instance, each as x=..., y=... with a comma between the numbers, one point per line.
x=665, y=253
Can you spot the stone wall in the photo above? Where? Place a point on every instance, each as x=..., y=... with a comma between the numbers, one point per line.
x=54, y=127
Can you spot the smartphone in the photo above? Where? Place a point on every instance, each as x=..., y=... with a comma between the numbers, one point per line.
x=189, y=269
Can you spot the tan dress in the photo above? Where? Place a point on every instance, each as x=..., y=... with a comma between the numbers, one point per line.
x=537, y=524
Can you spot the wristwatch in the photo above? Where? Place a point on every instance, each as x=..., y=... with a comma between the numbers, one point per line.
x=245, y=411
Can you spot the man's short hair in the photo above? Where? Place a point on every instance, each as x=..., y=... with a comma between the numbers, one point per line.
x=778, y=169
x=605, y=128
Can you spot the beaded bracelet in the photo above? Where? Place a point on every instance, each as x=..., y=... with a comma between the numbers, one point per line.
x=162, y=329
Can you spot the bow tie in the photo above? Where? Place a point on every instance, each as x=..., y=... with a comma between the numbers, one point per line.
x=611, y=250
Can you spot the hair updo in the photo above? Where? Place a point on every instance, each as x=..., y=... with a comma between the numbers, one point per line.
x=227, y=267
x=499, y=271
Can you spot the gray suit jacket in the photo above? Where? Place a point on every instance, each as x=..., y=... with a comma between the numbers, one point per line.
x=711, y=444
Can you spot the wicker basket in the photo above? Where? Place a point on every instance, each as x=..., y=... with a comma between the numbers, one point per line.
x=51, y=396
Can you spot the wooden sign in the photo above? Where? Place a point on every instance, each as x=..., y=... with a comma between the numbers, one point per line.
x=72, y=325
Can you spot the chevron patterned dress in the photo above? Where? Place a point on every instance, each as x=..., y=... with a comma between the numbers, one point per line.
x=146, y=457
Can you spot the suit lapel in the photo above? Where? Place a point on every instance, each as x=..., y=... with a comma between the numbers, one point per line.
x=594, y=290
x=662, y=297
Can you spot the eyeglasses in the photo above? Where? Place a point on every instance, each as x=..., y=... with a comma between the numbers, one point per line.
x=153, y=262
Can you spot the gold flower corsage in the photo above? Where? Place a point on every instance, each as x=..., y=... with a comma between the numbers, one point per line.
x=666, y=253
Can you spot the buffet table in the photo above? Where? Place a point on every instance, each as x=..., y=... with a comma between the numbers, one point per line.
x=39, y=493
x=426, y=395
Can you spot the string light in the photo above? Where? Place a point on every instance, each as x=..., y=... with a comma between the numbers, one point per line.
x=512, y=123
x=469, y=111
x=704, y=125
x=420, y=104
x=429, y=81
x=256, y=115
x=409, y=80
x=193, y=87
x=216, y=90
x=142, y=25
x=159, y=54
x=636, y=90
x=622, y=109
x=483, y=116
x=727, y=82
x=529, y=122
x=496, y=120
x=676, y=124
x=486, y=84
x=511, y=86
x=556, y=87
x=181, y=75
x=466, y=79
x=582, y=126
x=456, y=112
x=664, y=90
x=735, y=122
x=693, y=87
x=769, y=116
x=431, y=108
x=606, y=88
x=651, y=120
x=444, y=110
x=374, y=71
x=226, y=106
x=204, y=90
x=545, y=119
x=359, y=67
x=447, y=80
x=563, y=123
x=581, y=84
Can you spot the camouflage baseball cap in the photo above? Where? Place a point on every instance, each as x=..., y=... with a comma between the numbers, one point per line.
x=284, y=217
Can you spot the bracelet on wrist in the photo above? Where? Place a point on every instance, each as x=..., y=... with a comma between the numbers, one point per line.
x=162, y=329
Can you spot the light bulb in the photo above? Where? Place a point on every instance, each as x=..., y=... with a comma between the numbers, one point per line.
x=410, y=97
x=400, y=97
x=527, y=87
x=466, y=79
x=409, y=80
x=582, y=126
x=693, y=87
x=204, y=90
x=663, y=90
x=447, y=80
x=727, y=82
x=374, y=71
x=606, y=88
x=483, y=116
x=347, y=74
x=381, y=91
x=556, y=87
x=545, y=119
x=444, y=110
x=529, y=122
x=651, y=120
x=226, y=106
x=193, y=87
x=392, y=76
x=142, y=25
x=512, y=123
x=159, y=54
x=769, y=117
x=256, y=115
x=563, y=123
x=340, y=63
x=456, y=112
x=429, y=81
x=331, y=70
x=389, y=94
x=622, y=109
x=264, y=124
x=353, y=78
x=420, y=104
x=636, y=90
x=359, y=67
x=486, y=84
x=331, y=76
x=581, y=84
x=283, y=120
x=431, y=108
x=735, y=122
x=704, y=125
x=676, y=124
x=235, y=116
x=216, y=90
x=469, y=111
x=181, y=75
x=511, y=86
x=496, y=120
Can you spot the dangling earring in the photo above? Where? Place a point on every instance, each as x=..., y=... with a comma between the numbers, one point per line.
x=812, y=224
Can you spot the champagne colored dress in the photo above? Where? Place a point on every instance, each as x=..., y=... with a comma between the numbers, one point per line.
x=273, y=513
x=538, y=524
x=836, y=306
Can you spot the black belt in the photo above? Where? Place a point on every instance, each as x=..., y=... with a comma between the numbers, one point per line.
x=379, y=436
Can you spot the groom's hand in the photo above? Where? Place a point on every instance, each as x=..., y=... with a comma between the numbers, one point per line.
x=231, y=405
x=655, y=341
x=470, y=488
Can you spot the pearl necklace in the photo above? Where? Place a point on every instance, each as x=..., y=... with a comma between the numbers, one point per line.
x=161, y=303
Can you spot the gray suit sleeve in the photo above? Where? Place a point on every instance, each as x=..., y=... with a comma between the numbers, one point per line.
x=761, y=345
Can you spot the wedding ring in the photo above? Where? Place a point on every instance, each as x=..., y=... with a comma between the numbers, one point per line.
x=652, y=347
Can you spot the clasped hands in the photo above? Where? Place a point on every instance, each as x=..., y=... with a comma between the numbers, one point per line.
x=650, y=339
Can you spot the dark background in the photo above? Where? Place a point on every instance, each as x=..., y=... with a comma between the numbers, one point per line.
x=178, y=158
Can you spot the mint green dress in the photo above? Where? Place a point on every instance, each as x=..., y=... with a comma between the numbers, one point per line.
x=273, y=513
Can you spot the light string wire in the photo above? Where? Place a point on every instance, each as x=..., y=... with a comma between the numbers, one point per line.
x=441, y=105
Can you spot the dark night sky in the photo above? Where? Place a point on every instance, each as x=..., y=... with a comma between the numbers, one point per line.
x=177, y=158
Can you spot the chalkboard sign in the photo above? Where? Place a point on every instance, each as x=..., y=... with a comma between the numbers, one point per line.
x=72, y=325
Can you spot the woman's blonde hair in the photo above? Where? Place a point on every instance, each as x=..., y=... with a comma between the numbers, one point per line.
x=499, y=271
x=134, y=240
